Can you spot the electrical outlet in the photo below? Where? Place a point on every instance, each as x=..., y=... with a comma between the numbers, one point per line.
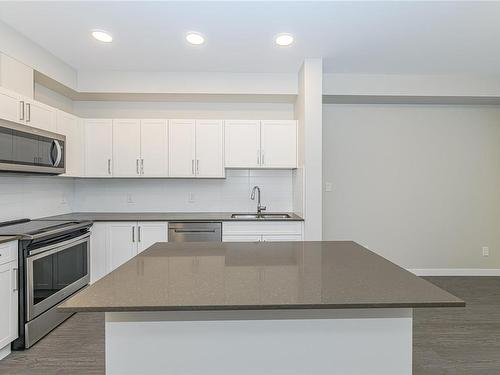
x=486, y=251
x=130, y=199
x=328, y=186
x=191, y=197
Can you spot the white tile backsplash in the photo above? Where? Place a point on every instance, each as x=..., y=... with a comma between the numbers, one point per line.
x=227, y=195
x=27, y=196
x=32, y=197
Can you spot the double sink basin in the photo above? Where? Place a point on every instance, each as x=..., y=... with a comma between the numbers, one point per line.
x=260, y=216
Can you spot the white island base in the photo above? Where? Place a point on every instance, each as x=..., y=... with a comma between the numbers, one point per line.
x=260, y=342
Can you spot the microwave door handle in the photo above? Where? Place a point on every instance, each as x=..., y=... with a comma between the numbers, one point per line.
x=59, y=153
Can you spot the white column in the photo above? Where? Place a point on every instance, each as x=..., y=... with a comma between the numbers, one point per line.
x=308, y=178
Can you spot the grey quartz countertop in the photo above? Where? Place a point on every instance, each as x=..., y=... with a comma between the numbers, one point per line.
x=187, y=276
x=4, y=239
x=162, y=216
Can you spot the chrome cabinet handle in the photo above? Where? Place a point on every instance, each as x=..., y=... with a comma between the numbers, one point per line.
x=28, y=112
x=192, y=166
x=139, y=234
x=142, y=166
x=263, y=160
x=109, y=166
x=137, y=166
x=197, y=166
x=258, y=157
x=16, y=279
x=133, y=234
x=21, y=112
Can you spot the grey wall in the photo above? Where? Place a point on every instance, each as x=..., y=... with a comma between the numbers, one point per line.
x=418, y=184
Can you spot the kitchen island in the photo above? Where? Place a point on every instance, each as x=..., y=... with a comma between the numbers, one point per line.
x=259, y=308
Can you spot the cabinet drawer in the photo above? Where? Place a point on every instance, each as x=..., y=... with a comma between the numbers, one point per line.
x=8, y=252
x=262, y=228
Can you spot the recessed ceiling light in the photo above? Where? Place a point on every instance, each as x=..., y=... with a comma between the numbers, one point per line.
x=102, y=36
x=195, y=38
x=284, y=39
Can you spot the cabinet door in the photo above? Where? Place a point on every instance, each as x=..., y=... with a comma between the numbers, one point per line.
x=242, y=144
x=279, y=144
x=98, y=148
x=40, y=116
x=241, y=238
x=98, y=251
x=8, y=303
x=154, y=140
x=209, y=148
x=282, y=237
x=11, y=107
x=126, y=148
x=71, y=127
x=121, y=243
x=148, y=233
x=181, y=148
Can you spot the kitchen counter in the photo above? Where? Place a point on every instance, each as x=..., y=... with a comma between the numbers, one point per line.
x=4, y=239
x=298, y=308
x=300, y=275
x=163, y=216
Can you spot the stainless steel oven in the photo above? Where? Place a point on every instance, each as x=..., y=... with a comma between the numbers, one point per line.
x=54, y=263
x=55, y=272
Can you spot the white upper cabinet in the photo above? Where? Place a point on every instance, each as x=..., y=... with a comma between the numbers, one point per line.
x=181, y=148
x=40, y=115
x=278, y=144
x=16, y=76
x=261, y=144
x=154, y=145
x=71, y=127
x=11, y=106
x=209, y=148
x=242, y=144
x=98, y=147
x=126, y=148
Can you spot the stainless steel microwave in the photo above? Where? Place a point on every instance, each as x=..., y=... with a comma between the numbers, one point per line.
x=29, y=150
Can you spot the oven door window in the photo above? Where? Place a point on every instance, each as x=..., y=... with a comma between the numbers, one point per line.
x=55, y=272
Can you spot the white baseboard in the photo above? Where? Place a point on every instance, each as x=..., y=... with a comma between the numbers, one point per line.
x=455, y=271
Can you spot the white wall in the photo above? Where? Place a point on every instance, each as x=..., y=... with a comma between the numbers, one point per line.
x=33, y=197
x=216, y=110
x=420, y=185
x=412, y=85
x=52, y=98
x=172, y=195
x=190, y=82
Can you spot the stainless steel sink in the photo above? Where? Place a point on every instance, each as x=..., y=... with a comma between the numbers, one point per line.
x=244, y=216
x=261, y=216
x=275, y=216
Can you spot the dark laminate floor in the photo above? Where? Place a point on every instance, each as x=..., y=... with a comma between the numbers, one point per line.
x=446, y=341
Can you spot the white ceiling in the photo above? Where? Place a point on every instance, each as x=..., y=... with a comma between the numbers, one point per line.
x=352, y=37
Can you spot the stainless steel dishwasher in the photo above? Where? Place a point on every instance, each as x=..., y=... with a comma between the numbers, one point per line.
x=194, y=232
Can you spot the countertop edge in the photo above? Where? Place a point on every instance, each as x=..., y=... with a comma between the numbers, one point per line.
x=266, y=307
x=4, y=239
x=142, y=216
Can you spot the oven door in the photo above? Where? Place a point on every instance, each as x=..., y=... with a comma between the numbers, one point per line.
x=55, y=272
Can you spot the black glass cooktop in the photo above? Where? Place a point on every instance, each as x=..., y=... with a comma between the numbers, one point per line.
x=32, y=227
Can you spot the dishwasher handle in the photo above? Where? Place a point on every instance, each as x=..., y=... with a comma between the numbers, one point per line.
x=193, y=230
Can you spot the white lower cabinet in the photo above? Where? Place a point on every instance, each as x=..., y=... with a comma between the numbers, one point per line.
x=8, y=296
x=114, y=243
x=242, y=231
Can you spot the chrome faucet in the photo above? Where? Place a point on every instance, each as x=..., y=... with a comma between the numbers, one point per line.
x=260, y=207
